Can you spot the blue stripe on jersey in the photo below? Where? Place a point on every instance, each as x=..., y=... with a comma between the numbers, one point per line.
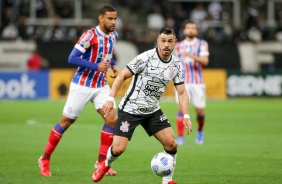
x=192, y=72
x=200, y=73
x=99, y=79
x=90, y=78
x=76, y=77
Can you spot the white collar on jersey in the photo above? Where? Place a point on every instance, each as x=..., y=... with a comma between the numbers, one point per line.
x=101, y=32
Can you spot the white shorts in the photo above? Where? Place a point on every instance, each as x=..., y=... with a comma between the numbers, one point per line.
x=79, y=96
x=197, y=94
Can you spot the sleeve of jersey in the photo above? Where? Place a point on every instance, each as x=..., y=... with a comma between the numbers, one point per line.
x=113, y=62
x=179, y=78
x=204, y=49
x=137, y=64
x=75, y=59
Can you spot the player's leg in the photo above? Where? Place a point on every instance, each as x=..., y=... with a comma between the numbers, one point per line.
x=74, y=105
x=158, y=125
x=179, y=122
x=106, y=135
x=199, y=101
x=124, y=128
x=166, y=138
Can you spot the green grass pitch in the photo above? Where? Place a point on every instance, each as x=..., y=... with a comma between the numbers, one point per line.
x=243, y=144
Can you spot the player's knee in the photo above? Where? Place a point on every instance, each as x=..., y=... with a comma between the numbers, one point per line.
x=65, y=122
x=117, y=150
x=111, y=121
x=171, y=146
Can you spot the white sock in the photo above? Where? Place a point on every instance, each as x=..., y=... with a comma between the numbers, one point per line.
x=110, y=158
x=168, y=178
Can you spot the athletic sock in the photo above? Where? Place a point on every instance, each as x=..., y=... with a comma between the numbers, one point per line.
x=179, y=124
x=106, y=141
x=168, y=178
x=201, y=122
x=53, y=140
x=110, y=157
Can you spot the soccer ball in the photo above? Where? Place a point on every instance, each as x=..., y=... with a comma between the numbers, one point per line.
x=162, y=164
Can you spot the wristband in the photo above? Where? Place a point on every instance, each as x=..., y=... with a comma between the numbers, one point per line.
x=110, y=98
x=186, y=116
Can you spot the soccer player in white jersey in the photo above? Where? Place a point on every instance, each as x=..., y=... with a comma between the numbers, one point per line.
x=93, y=54
x=193, y=53
x=151, y=71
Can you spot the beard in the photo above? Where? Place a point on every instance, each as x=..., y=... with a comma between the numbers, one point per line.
x=108, y=29
x=191, y=36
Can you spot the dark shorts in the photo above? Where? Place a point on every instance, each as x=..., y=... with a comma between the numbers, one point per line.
x=152, y=123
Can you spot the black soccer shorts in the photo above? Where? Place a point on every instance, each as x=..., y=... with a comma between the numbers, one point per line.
x=152, y=123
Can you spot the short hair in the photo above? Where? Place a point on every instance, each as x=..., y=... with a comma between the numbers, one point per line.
x=106, y=8
x=167, y=31
x=188, y=22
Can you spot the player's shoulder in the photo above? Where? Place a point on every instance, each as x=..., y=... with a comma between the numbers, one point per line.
x=202, y=41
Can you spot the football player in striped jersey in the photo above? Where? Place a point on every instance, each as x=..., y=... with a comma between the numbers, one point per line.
x=93, y=54
x=194, y=55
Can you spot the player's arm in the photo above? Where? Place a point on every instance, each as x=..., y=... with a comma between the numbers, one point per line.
x=183, y=99
x=204, y=60
x=75, y=59
x=123, y=75
x=114, y=68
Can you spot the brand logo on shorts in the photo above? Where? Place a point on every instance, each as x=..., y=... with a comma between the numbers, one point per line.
x=163, y=117
x=124, y=126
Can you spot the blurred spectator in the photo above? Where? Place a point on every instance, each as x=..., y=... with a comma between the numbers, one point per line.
x=41, y=10
x=36, y=62
x=10, y=32
x=215, y=9
x=55, y=32
x=198, y=14
x=75, y=32
x=22, y=28
x=63, y=8
x=155, y=19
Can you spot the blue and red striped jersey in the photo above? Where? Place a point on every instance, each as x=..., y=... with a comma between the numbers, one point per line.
x=95, y=46
x=193, y=69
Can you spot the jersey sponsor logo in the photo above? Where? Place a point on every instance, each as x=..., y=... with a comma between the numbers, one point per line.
x=152, y=88
x=124, y=126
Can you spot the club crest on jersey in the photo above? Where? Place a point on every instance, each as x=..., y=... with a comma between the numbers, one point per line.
x=124, y=126
x=171, y=72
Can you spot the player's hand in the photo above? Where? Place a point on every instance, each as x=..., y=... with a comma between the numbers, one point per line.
x=115, y=70
x=187, y=123
x=103, y=66
x=107, y=107
x=187, y=54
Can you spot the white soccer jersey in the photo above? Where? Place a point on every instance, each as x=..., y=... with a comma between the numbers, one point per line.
x=151, y=76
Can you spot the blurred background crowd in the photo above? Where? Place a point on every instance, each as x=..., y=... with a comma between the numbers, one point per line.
x=59, y=20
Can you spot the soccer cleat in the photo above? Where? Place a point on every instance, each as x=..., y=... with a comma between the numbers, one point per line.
x=200, y=137
x=180, y=140
x=44, y=166
x=110, y=172
x=100, y=172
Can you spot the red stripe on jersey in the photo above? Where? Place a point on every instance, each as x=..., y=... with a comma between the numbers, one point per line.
x=195, y=71
x=94, y=53
x=84, y=77
x=95, y=79
x=106, y=48
x=187, y=73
